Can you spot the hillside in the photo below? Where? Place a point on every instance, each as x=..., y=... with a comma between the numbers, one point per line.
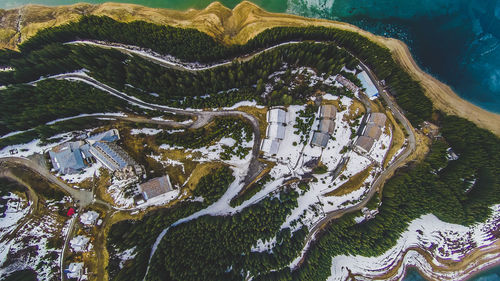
x=235, y=26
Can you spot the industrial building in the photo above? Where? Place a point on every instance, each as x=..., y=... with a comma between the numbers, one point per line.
x=371, y=132
x=370, y=89
x=326, y=128
x=276, y=129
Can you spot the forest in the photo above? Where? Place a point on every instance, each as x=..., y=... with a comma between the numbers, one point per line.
x=192, y=45
x=437, y=185
x=26, y=106
x=459, y=191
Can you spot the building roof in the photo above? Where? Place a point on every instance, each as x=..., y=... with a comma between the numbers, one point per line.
x=89, y=218
x=276, y=131
x=156, y=187
x=373, y=131
x=364, y=143
x=111, y=155
x=378, y=119
x=320, y=139
x=328, y=111
x=371, y=90
x=276, y=115
x=85, y=151
x=327, y=126
x=67, y=158
x=108, y=136
x=79, y=243
x=270, y=147
x=74, y=270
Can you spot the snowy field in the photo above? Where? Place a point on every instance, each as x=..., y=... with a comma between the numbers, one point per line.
x=444, y=241
x=29, y=248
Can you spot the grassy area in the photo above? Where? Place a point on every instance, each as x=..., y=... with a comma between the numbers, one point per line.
x=354, y=183
x=200, y=171
x=260, y=114
x=398, y=139
x=38, y=183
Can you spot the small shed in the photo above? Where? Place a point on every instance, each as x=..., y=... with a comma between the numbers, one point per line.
x=364, y=144
x=320, y=139
x=74, y=270
x=327, y=126
x=89, y=218
x=378, y=119
x=79, y=243
x=328, y=111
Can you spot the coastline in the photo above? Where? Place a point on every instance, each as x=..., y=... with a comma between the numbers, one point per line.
x=235, y=26
x=243, y=23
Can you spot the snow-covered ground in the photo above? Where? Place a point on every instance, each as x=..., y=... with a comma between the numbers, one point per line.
x=116, y=190
x=444, y=241
x=34, y=146
x=146, y=131
x=29, y=247
x=125, y=256
x=86, y=173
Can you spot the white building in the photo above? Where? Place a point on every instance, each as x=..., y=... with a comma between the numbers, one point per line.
x=89, y=218
x=270, y=147
x=79, y=243
x=276, y=115
x=371, y=90
x=276, y=128
x=74, y=270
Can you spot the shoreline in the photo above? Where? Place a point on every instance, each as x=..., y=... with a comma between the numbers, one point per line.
x=236, y=26
x=244, y=22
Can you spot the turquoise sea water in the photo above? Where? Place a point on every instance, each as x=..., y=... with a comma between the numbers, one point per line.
x=489, y=275
x=458, y=41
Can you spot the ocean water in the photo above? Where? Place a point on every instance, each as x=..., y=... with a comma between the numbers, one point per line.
x=489, y=275
x=457, y=41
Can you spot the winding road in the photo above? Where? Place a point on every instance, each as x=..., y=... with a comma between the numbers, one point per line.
x=85, y=198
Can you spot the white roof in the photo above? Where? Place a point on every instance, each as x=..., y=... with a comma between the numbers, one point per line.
x=74, y=270
x=270, y=147
x=79, y=243
x=276, y=131
x=276, y=115
x=371, y=90
x=89, y=217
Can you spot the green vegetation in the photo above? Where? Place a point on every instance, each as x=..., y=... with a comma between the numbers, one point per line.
x=22, y=275
x=44, y=132
x=142, y=234
x=6, y=187
x=250, y=191
x=320, y=169
x=212, y=186
x=434, y=186
x=219, y=248
x=228, y=127
x=25, y=106
x=38, y=183
x=304, y=121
